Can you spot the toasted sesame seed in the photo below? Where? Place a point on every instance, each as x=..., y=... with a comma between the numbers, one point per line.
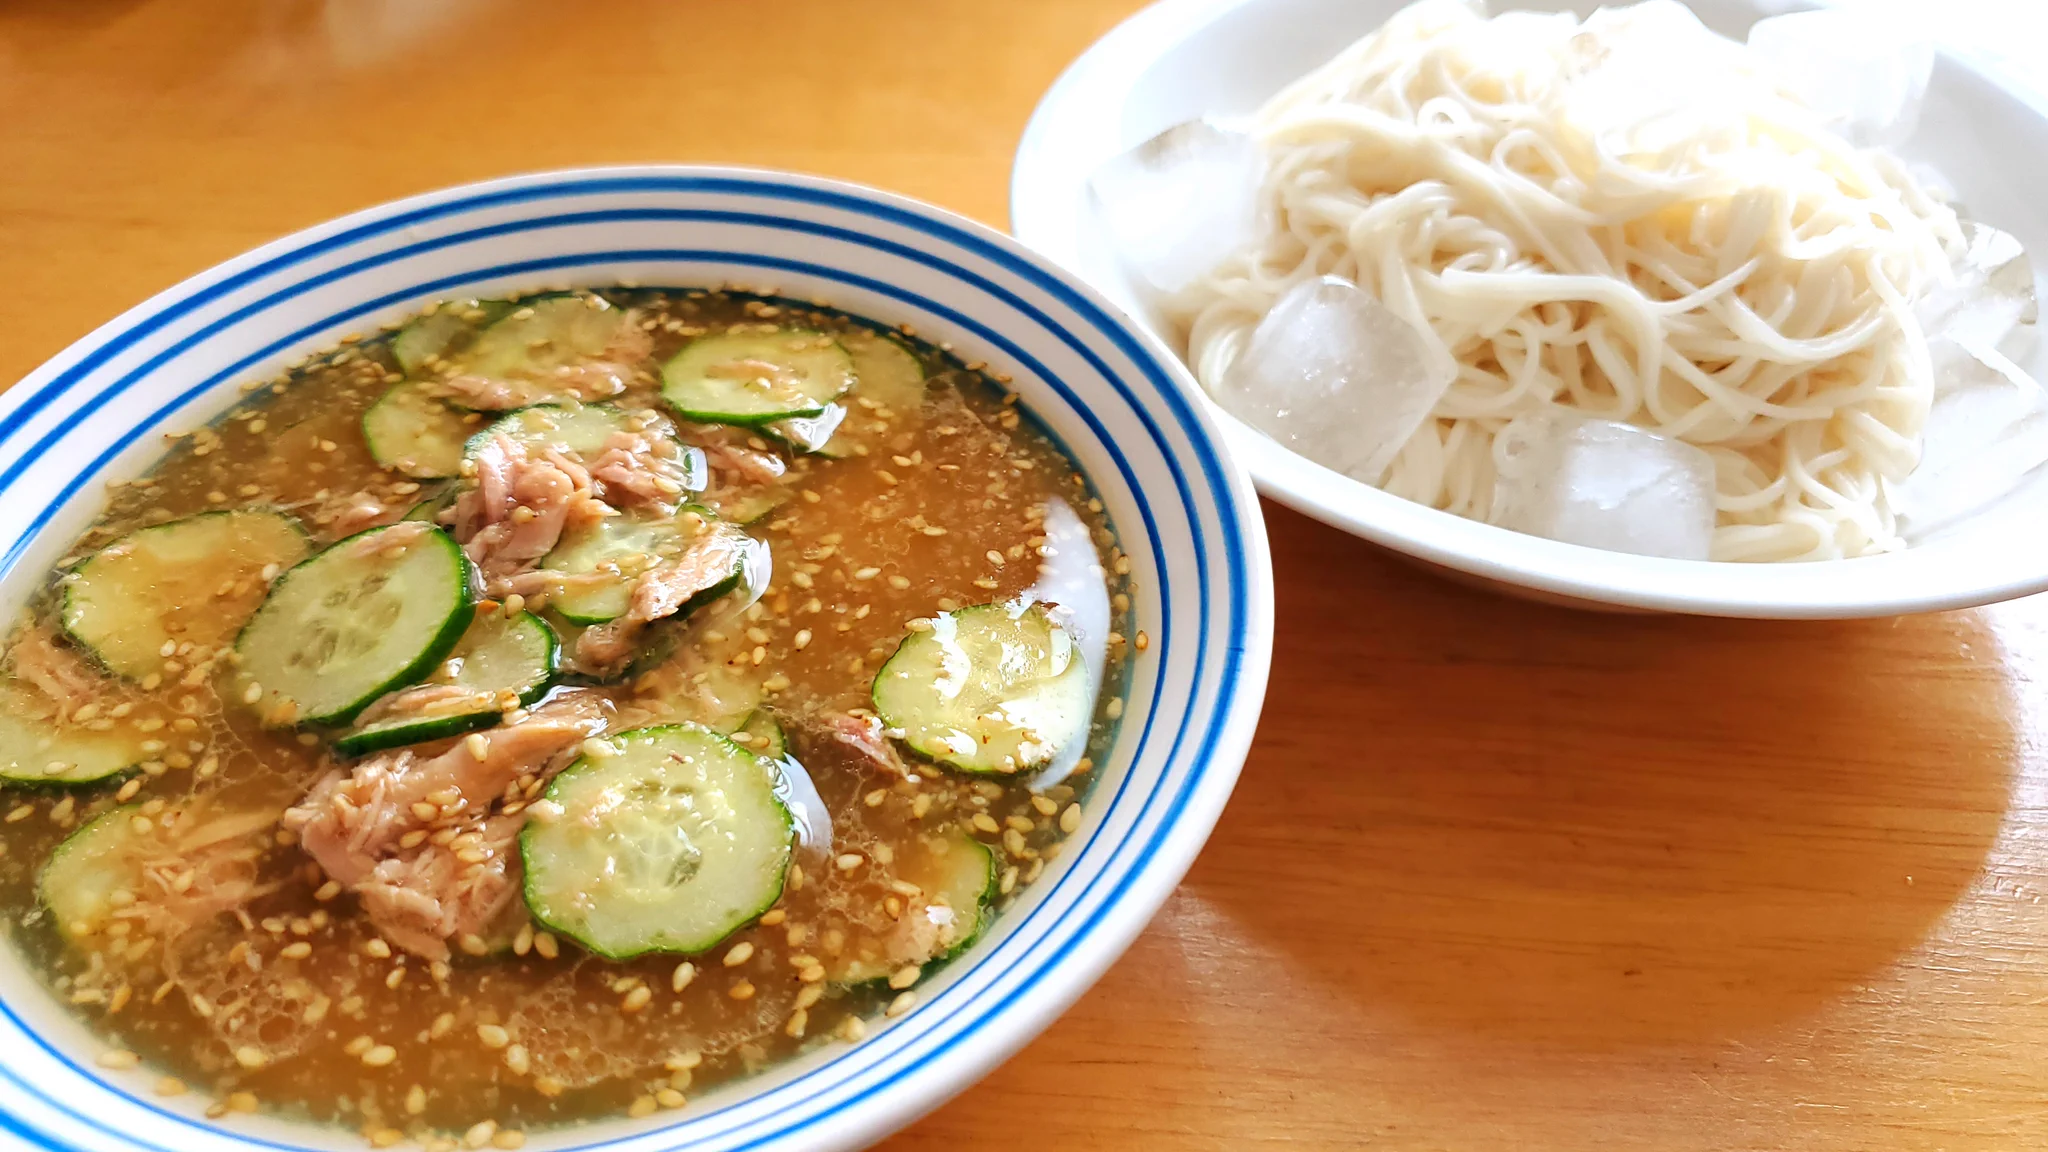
x=296, y=951
x=358, y=1046
x=243, y=1102
x=118, y=1058
x=1070, y=819
x=493, y=1035
x=636, y=999
x=670, y=1098
x=379, y=1056
x=545, y=944
x=377, y=948
x=480, y=1133
x=983, y=822
x=385, y=1137
x=905, y=976
x=848, y=861
x=901, y=1004
x=548, y=1086
x=739, y=954
x=642, y=1107
x=415, y=1100
x=478, y=746
x=170, y=1086
x=518, y=1059
x=744, y=990
x=250, y=1056
x=508, y=1138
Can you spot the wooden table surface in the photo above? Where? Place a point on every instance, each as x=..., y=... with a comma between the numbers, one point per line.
x=1497, y=876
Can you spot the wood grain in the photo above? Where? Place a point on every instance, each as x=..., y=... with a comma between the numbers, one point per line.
x=1497, y=876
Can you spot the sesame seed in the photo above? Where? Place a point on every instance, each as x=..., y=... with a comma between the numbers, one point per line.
x=358, y=1046
x=493, y=1035
x=636, y=999
x=296, y=951
x=480, y=1133
x=545, y=944
x=1070, y=819
x=901, y=1004
x=249, y=1056
x=380, y=1056
x=642, y=1107
x=670, y=1098
x=508, y=1138
x=118, y=1058
x=385, y=1137
x=983, y=822
x=739, y=954
x=681, y=977
x=1144, y=641
x=744, y=990
x=415, y=1100
x=377, y=948
x=170, y=1086
x=478, y=746
x=849, y=861
x=867, y=573
x=518, y=1059
x=905, y=976
x=243, y=1102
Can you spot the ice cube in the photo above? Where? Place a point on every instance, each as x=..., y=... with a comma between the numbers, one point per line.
x=1991, y=304
x=1182, y=202
x=1332, y=374
x=1604, y=485
x=1863, y=74
x=1988, y=429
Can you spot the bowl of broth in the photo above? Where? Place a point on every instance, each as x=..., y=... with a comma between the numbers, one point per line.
x=654, y=657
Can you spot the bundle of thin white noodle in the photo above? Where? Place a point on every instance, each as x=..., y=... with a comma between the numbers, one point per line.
x=1579, y=216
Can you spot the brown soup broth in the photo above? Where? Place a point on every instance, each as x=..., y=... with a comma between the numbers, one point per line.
x=939, y=504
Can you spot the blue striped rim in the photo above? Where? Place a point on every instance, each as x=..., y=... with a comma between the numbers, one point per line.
x=1211, y=468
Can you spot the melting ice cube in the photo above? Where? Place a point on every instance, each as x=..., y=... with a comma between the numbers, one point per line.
x=1988, y=429
x=1604, y=485
x=1992, y=300
x=1863, y=74
x=1182, y=202
x=1332, y=374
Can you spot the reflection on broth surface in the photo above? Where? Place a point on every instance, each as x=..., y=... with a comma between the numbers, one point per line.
x=402, y=754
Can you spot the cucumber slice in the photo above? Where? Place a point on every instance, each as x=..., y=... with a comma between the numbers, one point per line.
x=812, y=434
x=671, y=844
x=755, y=378
x=450, y=328
x=411, y=431
x=582, y=430
x=114, y=863
x=540, y=335
x=606, y=560
x=371, y=613
x=957, y=875
x=761, y=735
x=748, y=505
x=885, y=371
x=162, y=585
x=41, y=751
x=430, y=509
x=989, y=689
x=496, y=655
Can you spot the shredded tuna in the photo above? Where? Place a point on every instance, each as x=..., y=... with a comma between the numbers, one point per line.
x=356, y=512
x=355, y=821
x=446, y=892
x=426, y=700
x=196, y=862
x=864, y=735
x=520, y=505
x=640, y=469
x=58, y=672
x=661, y=592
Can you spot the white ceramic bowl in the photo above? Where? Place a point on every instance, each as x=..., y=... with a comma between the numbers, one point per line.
x=1185, y=512
x=1986, y=132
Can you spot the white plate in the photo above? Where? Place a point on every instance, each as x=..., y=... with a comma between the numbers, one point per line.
x=1185, y=514
x=1984, y=130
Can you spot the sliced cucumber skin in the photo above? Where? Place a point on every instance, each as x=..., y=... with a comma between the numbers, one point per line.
x=825, y=372
x=899, y=683
x=853, y=972
x=433, y=335
x=112, y=758
x=76, y=609
x=502, y=349
x=438, y=644
x=535, y=850
x=59, y=890
x=582, y=430
x=398, y=734
x=603, y=540
x=414, y=433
